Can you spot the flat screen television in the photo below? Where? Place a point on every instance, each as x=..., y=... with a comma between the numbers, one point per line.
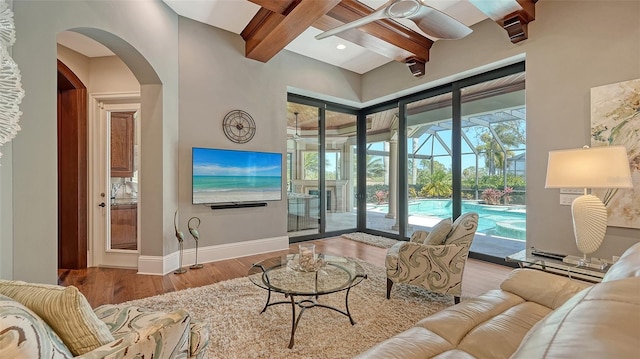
x=231, y=176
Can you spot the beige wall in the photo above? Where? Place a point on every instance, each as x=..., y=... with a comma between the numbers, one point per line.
x=572, y=47
x=76, y=62
x=34, y=171
x=217, y=78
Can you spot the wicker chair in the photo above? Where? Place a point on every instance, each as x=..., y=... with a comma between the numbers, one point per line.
x=436, y=267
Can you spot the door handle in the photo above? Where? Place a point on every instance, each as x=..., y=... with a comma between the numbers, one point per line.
x=102, y=205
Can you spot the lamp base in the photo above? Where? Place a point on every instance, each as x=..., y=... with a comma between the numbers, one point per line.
x=589, y=222
x=594, y=263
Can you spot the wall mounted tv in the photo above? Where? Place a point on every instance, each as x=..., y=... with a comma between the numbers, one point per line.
x=230, y=176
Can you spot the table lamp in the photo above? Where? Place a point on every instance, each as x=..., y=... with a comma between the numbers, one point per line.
x=597, y=167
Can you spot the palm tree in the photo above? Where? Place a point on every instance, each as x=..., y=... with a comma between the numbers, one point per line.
x=375, y=167
x=438, y=184
x=511, y=136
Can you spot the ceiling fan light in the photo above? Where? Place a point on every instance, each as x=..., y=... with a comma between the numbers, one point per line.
x=403, y=8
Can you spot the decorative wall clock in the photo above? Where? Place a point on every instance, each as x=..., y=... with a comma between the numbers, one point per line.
x=239, y=126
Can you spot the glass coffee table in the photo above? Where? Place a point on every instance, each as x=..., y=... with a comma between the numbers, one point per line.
x=283, y=275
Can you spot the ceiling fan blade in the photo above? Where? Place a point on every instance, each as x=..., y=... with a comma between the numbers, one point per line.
x=376, y=15
x=438, y=24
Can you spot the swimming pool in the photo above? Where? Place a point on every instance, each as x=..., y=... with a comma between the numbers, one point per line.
x=504, y=221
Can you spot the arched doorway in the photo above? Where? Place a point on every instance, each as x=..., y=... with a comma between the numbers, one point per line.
x=72, y=170
x=105, y=97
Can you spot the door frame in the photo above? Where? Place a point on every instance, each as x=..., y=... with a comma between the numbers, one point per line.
x=99, y=253
x=72, y=169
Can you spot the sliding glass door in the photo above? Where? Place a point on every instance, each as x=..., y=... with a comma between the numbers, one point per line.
x=404, y=165
x=321, y=167
x=303, y=200
x=429, y=161
x=493, y=131
x=382, y=170
x=340, y=174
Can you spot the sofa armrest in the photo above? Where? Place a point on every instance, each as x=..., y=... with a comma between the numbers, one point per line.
x=116, y=349
x=156, y=334
x=550, y=290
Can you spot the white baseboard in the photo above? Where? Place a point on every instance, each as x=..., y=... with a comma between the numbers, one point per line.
x=161, y=265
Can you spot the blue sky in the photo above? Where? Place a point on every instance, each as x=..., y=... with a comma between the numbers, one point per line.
x=218, y=162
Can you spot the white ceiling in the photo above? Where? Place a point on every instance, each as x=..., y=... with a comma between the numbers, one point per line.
x=234, y=15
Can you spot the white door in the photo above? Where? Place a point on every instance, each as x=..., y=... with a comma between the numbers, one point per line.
x=114, y=145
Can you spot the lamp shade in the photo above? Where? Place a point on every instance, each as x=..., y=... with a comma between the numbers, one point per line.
x=597, y=167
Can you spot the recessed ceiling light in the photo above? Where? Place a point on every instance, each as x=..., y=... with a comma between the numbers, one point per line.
x=341, y=46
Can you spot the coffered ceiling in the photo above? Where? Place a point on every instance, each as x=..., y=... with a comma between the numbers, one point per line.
x=269, y=26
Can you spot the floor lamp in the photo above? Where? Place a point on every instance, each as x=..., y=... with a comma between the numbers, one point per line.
x=588, y=168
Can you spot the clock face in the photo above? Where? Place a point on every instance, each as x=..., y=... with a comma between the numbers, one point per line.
x=238, y=126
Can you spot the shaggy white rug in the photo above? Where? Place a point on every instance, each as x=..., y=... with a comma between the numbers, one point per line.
x=378, y=241
x=238, y=330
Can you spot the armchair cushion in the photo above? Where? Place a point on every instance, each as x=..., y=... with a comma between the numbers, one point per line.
x=464, y=229
x=439, y=233
x=66, y=311
x=24, y=335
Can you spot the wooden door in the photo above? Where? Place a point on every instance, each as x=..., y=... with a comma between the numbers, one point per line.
x=72, y=170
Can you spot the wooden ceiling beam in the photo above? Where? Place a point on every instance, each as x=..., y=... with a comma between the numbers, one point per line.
x=282, y=7
x=385, y=37
x=512, y=15
x=386, y=30
x=269, y=32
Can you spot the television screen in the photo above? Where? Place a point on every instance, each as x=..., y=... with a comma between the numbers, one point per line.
x=229, y=176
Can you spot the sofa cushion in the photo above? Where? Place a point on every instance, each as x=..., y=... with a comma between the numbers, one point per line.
x=455, y=322
x=24, y=335
x=544, y=288
x=439, y=233
x=599, y=322
x=513, y=324
x=627, y=266
x=66, y=311
x=413, y=343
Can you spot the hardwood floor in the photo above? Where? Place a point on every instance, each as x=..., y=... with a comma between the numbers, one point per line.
x=108, y=285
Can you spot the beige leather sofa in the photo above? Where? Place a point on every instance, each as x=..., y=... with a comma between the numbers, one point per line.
x=534, y=314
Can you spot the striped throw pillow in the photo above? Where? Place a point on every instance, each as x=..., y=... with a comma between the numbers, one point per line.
x=66, y=311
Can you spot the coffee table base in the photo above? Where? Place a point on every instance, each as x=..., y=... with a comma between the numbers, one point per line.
x=304, y=304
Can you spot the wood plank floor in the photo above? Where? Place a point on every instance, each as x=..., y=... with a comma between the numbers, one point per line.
x=109, y=285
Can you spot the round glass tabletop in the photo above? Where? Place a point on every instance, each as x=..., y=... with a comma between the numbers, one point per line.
x=283, y=274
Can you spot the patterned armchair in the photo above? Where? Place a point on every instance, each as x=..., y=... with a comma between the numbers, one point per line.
x=433, y=260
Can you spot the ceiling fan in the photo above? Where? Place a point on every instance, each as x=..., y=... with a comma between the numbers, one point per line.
x=433, y=22
x=296, y=136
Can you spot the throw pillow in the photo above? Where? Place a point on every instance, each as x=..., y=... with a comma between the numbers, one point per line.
x=66, y=311
x=439, y=233
x=23, y=335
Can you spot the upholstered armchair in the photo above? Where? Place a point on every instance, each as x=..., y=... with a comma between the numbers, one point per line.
x=434, y=260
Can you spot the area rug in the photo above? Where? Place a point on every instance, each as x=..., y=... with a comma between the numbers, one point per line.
x=378, y=241
x=238, y=330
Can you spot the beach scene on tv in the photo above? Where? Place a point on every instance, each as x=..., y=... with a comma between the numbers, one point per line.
x=228, y=176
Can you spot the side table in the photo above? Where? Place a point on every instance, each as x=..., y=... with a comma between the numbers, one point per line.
x=526, y=259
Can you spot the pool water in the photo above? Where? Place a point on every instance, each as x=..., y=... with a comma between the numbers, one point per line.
x=504, y=221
